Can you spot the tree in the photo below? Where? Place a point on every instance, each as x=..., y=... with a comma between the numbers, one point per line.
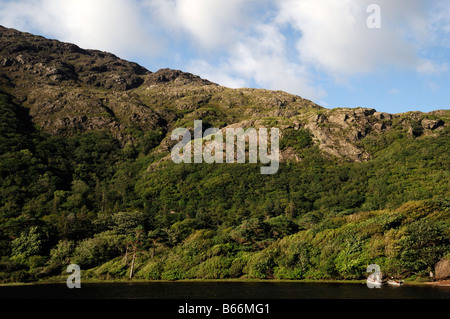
x=423, y=246
x=60, y=254
x=181, y=230
x=250, y=231
x=282, y=226
x=157, y=237
x=298, y=140
x=126, y=222
x=28, y=244
x=136, y=241
x=131, y=224
x=78, y=196
x=103, y=247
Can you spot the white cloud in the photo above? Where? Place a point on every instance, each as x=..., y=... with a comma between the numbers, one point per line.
x=109, y=25
x=239, y=43
x=394, y=91
x=429, y=67
x=262, y=60
x=249, y=51
x=333, y=39
x=336, y=39
x=433, y=86
x=210, y=23
x=221, y=73
x=440, y=23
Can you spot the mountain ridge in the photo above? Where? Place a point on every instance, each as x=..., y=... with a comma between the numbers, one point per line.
x=68, y=90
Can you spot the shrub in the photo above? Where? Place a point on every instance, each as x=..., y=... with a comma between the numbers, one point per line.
x=217, y=267
x=238, y=265
x=179, y=231
x=115, y=268
x=282, y=226
x=298, y=140
x=103, y=247
x=250, y=231
x=60, y=254
x=288, y=273
x=173, y=274
x=150, y=271
x=28, y=244
x=261, y=265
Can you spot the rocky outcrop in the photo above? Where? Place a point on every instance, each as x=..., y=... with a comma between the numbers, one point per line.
x=175, y=76
x=432, y=124
x=338, y=131
x=33, y=57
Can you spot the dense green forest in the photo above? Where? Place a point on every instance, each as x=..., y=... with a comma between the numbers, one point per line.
x=86, y=199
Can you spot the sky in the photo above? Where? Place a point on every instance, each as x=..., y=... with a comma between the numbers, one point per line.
x=393, y=56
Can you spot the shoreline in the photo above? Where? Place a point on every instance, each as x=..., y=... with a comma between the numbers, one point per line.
x=440, y=283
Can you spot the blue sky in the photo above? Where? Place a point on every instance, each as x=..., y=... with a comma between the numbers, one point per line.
x=322, y=50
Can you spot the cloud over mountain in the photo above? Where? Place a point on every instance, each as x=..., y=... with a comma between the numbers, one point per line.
x=294, y=45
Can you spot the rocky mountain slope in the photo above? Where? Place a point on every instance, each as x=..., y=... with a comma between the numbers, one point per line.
x=83, y=179
x=68, y=90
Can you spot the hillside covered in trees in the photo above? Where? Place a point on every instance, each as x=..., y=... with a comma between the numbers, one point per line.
x=86, y=178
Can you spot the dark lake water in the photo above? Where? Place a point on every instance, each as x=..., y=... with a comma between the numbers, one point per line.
x=221, y=290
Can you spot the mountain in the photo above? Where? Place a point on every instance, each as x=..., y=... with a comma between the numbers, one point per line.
x=86, y=177
x=68, y=89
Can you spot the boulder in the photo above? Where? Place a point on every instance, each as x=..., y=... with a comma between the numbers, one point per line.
x=442, y=269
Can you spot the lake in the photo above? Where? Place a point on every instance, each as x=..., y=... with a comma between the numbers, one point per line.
x=221, y=290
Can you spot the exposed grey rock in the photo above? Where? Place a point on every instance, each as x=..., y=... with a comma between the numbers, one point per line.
x=432, y=124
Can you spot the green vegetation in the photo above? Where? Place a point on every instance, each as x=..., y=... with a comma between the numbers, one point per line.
x=298, y=140
x=86, y=199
